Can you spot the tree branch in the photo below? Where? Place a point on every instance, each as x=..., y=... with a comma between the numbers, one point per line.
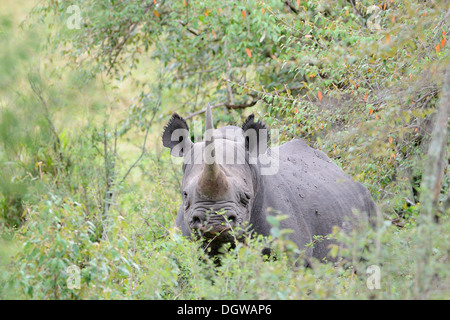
x=184, y=24
x=242, y=105
x=196, y=113
x=227, y=105
x=120, y=45
x=291, y=6
x=352, y=2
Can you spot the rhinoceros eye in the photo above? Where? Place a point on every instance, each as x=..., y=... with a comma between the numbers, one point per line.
x=244, y=198
x=186, y=202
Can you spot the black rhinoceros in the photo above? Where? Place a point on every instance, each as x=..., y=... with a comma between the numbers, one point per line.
x=233, y=179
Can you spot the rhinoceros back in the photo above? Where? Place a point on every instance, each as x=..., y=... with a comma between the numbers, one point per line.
x=316, y=195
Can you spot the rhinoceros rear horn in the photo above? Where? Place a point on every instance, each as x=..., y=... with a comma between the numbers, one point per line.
x=212, y=180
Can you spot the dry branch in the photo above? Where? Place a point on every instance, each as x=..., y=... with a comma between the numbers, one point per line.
x=436, y=159
x=228, y=106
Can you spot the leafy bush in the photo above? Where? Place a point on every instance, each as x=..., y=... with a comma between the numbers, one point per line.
x=84, y=182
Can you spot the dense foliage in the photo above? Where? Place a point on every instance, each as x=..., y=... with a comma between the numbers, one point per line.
x=84, y=181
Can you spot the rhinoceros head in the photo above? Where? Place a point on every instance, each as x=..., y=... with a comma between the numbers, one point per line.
x=220, y=180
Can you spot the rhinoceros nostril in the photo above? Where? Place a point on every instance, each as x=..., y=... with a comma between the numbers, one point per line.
x=231, y=218
x=197, y=221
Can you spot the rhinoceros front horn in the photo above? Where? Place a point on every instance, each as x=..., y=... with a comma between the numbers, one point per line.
x=212, y=181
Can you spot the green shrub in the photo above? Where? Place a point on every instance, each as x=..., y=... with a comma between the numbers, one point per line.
x=84, y=182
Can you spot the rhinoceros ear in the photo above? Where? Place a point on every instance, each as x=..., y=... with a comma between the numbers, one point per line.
x=256, y=135
x=176, y=136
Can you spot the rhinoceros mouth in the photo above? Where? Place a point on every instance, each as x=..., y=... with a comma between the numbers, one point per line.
x=225, y=235
x=213, y=241
x=215, y=235
x=220, y=231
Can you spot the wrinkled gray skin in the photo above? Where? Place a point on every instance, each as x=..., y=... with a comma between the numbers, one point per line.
x=309, y=188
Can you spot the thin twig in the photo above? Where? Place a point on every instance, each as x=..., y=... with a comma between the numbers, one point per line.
x=142, y=149
x=185, y=24
x=229, y=91
x=198, y=88
x=203, y=111
x=38, y=92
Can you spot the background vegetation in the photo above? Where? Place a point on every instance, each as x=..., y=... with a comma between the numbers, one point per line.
x=84, y=179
